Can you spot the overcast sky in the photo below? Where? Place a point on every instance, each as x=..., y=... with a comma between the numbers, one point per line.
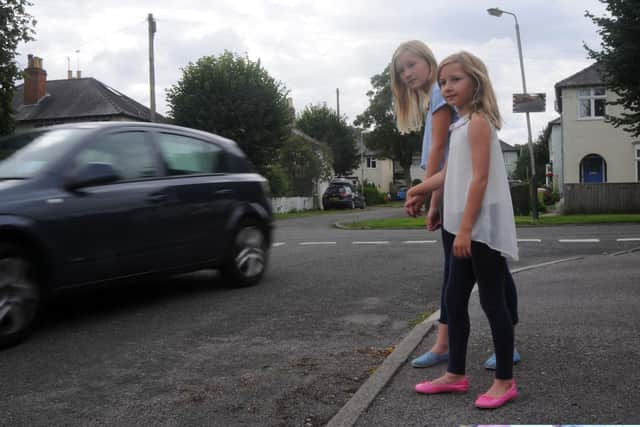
x=314, y=47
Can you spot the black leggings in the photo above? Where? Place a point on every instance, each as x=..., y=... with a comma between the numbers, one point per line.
x=509, y=285
x=486, y=266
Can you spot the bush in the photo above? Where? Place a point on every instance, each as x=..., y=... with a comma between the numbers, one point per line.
x=372, y=195
x=278, y=181
x=520, y=198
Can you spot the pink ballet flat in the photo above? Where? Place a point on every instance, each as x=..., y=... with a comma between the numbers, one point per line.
x=488, y=402
x=428, y=387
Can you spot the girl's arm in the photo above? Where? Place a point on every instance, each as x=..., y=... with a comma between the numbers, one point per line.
x=480, y=143
x=439, y=134
x=440, y=121
x=429, y=184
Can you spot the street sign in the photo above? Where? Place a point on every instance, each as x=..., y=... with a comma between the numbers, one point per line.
x=529, y=102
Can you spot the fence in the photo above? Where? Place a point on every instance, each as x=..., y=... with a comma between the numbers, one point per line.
x=292, y=204
x=602, y=198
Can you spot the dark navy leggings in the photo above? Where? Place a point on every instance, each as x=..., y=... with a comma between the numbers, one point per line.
x=487, y=267
x=509, y=285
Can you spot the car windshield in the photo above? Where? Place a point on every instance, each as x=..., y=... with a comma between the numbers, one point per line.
x=23, y=155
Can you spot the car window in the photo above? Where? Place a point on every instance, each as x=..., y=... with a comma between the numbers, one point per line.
x=24, y=155
x=130, y=154
x=184, y=155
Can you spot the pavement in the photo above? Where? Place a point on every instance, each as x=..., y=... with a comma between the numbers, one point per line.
x=579, y=337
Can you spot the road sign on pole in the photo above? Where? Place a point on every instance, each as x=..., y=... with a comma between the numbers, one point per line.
x=529, y=102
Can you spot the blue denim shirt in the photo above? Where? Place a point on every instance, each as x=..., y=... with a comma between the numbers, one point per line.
x=436, y=102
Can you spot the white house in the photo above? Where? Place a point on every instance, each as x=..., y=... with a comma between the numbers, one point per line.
x=376, y=170
x=591, y=150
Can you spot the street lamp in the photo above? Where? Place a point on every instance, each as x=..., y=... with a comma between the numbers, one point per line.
x=494, y=11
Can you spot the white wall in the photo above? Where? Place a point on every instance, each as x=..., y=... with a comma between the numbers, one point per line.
x=291, y=204
x=555, y=156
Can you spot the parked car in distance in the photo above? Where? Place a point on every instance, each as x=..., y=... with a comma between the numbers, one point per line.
x=402, y=192
x=342, y=193
x=89, y=203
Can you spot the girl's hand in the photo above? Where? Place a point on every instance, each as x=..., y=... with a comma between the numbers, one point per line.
x=434, y=220
x=413, y=204
x=462, y=245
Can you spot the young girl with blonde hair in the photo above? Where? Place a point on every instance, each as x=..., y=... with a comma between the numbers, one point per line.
x=479, y=216
x=417, y=100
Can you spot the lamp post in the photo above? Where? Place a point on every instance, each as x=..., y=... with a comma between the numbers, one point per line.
x=494, y=11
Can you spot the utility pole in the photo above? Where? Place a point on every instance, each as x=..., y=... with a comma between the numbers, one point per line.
x=338, y=102
x=152, y=76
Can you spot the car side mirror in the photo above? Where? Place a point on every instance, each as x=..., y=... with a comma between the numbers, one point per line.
x=92, y=174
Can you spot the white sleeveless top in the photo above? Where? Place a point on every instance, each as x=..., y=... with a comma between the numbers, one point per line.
x=495, y=224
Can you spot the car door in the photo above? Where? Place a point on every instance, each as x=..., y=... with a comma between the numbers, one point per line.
x=204, y=193
x=114, y=229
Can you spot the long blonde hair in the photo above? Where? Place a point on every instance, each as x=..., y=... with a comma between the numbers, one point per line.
x=484, y=98
x=411, y=106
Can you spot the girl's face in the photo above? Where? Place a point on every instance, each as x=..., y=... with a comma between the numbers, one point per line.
x=413, y=70
x=456, y=86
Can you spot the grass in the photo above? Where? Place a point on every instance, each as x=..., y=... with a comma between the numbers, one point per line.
x=305, y=214
x=419, y=222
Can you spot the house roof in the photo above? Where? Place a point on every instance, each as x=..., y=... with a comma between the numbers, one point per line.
x=78, y=98
x=590, y=76
x=507, y=147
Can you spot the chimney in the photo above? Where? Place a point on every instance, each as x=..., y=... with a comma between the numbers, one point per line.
x=35, y=81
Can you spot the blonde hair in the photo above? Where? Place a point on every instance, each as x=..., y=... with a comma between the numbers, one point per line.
x=411, y=106
x=484, y=98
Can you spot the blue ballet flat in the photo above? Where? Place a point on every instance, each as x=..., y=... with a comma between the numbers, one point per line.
x=491, y=361
x=429, y=359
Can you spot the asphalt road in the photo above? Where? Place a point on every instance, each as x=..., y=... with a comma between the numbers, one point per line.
x=290, y=351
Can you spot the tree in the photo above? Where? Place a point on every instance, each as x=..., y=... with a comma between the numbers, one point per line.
x=234, y=97
x=385, y=138
x=16, y=26
x=620, y=59
x=323, y=124
x=541, y=153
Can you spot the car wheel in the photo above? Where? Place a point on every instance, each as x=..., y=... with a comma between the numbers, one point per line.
x=20, y=296
x=249, y=255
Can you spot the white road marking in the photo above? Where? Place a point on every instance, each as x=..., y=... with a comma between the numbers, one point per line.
x=530, y=240
x=418, y=242
x=316, y=243
x=275, y=245
x=578, y=240
x=371, y=243
x=628, y=239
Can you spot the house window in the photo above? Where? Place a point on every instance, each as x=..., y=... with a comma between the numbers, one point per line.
x=591, y=102
x=371, y=162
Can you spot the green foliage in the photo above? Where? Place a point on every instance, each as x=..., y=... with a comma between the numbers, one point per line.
x=522, y=170
x=385, y=139
x=16, y=26
x=234, y=97
x=372, y=196
x=278, y=181
x=304, y=162
x=323, y=124
x=521, y=198
x=620, y=58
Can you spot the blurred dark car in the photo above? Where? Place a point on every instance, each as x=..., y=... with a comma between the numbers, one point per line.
x=91, y=203
x=342, y=193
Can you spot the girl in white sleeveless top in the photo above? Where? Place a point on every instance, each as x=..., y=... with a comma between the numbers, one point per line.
x=479, y=214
